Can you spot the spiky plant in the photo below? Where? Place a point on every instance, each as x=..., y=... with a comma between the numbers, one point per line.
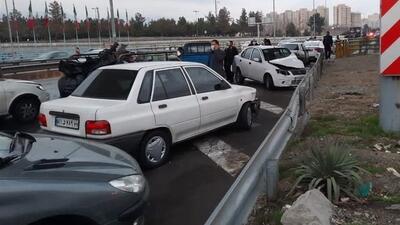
x=332, y=170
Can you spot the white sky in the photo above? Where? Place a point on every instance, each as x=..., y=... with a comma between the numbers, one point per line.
x=176, y=8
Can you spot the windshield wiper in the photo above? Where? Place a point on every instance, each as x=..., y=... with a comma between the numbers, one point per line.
x=4, y=161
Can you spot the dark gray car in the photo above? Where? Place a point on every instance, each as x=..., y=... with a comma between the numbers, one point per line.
x=53, y=181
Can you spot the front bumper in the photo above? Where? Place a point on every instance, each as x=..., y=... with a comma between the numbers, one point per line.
x=288, y=81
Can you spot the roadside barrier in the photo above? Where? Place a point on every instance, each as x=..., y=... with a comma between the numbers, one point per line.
x=359, y=46
x=261, y=174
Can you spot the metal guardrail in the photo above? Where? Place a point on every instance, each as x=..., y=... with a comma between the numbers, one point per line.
x=261, y=174
x=359, y=46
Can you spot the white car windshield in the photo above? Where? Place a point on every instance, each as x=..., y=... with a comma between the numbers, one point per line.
x=276, y=53
x=107, y=84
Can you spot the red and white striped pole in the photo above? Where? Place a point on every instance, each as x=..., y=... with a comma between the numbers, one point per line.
x=390, y=66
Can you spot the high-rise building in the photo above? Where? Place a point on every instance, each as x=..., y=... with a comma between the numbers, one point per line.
x=342, y=15
x=324, y=12
x=356, y=19
x=304, y=17
x=373, y=21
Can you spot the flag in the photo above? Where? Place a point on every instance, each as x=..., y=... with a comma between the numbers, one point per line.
x=46, y=16
x=31, y=20
x=127, y=19
x=87, y=18
x=76, y=18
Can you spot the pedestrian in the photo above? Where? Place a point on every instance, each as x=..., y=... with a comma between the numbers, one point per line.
x=230, y=54
x=216, y=59
x=253, y=43
x=77, y=51
x=267, y=42
x=328, y=44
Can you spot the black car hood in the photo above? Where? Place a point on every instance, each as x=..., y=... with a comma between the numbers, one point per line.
x=70, y=159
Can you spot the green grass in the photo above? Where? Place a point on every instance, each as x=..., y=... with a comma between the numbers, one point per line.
x=365, y=127
x=394, y=199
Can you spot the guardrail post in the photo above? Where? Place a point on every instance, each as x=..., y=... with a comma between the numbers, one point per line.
x=272, y=179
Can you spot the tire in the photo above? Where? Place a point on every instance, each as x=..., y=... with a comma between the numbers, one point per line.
x=157, y=142
x=25, y=110
x=269, y=82
x=238, y=77
x=246, y=117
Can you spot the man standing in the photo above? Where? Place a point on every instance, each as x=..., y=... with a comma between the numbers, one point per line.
x=216, y=59
x=230, y=53
x=328, y=44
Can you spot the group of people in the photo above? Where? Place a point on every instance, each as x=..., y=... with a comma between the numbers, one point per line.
x=221, y=61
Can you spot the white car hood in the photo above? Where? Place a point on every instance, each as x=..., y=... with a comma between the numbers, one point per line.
x=291, y=61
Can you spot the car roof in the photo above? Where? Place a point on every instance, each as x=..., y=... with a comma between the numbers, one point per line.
x=150, y=65
x=262, y=47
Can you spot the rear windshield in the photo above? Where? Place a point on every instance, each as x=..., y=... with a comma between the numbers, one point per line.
x=276, y=53
x=107, y=84
x=291, y=46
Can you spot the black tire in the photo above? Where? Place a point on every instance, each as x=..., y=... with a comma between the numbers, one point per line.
x=269, y=82
x=25, y=110
x=238, y=77
x=246, y=117
x=149, y=161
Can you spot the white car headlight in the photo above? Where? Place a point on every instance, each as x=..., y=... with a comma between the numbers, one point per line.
x=133, y=183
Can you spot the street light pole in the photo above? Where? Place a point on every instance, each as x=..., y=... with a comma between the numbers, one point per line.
x=96, y=10
x=114, y=34
x=216, y=8
x=273, y=18
x=197, y=22
x=314, y=16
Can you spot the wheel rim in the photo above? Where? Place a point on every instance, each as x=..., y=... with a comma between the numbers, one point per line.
x=249, y=116
x=27, y=111
x=155, y=149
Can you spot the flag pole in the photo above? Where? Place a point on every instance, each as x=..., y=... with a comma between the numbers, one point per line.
x=9, y=25
x=63, y=24
x=127, y=25
x=76, y=26
x=15, y=24
x=108, y=22
x=87, y=23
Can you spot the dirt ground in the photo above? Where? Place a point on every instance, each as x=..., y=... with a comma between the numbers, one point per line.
x=345, y=109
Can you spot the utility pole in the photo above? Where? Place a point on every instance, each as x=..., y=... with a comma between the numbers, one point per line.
x=273, y=18
x=114, y=34
x=96, y=10
x=216, y=8
x=314, y=17
x=9, y=24
x=196, y=12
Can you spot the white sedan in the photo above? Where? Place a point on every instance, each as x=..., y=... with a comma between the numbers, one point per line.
x=273, y=66
x=21, y=99
x=143, y=108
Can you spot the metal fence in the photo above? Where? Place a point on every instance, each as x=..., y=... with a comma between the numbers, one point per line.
x=261, y=174
x=359, y=46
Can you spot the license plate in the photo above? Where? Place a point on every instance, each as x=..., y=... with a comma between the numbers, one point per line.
x=67, y=123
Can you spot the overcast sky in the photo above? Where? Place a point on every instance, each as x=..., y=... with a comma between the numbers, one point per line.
x=175, y=8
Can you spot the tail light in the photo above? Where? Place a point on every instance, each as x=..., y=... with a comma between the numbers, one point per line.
x=42, y=120
x=101, y=127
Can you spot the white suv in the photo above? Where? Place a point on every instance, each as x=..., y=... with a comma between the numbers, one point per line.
x=273, y=66
x=143, y=108
x=21, y=99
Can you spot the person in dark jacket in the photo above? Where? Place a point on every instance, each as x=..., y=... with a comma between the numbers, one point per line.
x=230, y=53
x=216, y=59
x=328, y=44
x=267, y=42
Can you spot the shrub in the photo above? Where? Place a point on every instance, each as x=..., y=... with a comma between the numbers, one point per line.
x=332, y=170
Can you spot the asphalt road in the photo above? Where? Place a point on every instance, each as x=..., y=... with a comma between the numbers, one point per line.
x=200, y=171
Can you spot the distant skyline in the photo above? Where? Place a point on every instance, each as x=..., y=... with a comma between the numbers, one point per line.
x=154, y=9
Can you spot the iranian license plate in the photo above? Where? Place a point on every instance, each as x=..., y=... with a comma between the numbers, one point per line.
x=67, y=123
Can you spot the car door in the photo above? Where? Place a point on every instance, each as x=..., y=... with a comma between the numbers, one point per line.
x=174, y=105
x=218, y=102
x=244, y=62
x=257, y=66
x=3, y=99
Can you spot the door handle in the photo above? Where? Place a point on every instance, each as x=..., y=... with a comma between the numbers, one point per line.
x=163, y=106
x=204, y=98
x=250, y=63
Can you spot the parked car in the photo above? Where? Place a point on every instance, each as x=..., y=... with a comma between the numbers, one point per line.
x=315, y=49
x=146, y=107
x=47, y=181
x=273, y=66
x=21, y=99
x=298, y=49
x=195, y=52
x=54, y=55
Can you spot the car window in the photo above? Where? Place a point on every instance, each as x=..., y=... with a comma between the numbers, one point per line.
x=247, y=53
x=256, y=54
x=203, y=80
x=146, y=88
x=107, y=84
x=293, y=47
x=170, y=84
x=193, y=49
x=276, y=53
